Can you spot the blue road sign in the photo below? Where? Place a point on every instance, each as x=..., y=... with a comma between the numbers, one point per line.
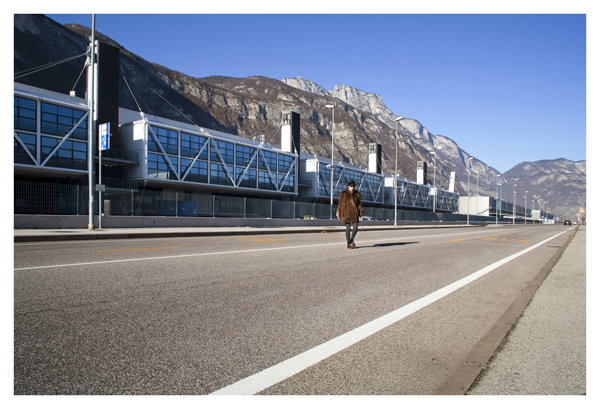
x=104, y=136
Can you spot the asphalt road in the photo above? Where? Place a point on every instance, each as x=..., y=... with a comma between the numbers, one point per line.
x=281, y=314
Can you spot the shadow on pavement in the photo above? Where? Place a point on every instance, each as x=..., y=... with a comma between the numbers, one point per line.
x=394, y=244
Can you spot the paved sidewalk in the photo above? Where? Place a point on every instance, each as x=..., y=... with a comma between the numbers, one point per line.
x=545, y=352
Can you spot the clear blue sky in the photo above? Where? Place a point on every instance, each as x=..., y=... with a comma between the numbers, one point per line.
x=507, y=88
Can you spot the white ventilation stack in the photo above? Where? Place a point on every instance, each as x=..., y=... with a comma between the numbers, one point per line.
x=374, y=158
x=421, y=172
x=290, y=132
x=451, y=185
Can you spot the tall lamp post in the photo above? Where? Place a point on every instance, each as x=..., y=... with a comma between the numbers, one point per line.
x=499, y=197
x=434, y=188
x=468, y=188
x=91, y=126
x=525, y=209
x=398, y=119
x=514, y=203
x=477, y=202
x=331, y=169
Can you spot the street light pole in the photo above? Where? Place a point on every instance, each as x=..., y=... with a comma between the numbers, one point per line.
x=500, y=184
x=525, y=210
x=514, y=203
x=434, y=188
x=398, y=119
x=477, y=202
x=331, y=169
x=91, y=125
x=468, y=188
x=499, y=197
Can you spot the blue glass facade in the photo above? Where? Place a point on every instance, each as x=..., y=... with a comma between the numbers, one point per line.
x=179, y=155
x=370, y=185
x=49, y=134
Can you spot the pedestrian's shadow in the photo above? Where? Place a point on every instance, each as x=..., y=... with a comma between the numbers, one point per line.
x=394, y=244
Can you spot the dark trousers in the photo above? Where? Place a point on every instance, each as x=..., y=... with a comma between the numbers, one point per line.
x=350, y=235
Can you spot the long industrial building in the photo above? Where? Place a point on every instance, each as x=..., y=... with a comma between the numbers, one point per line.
x=143, y=154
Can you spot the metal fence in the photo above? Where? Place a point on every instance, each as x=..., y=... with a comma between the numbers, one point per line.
x=49, y=198
x=54, y=198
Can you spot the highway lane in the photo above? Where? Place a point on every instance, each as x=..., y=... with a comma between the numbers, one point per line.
x=195, y=315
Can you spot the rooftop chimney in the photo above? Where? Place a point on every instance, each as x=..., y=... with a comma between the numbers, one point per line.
x=422, y=172
x=374, y=158
x=290, y=132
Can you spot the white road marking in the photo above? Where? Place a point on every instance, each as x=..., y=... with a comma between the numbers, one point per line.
x=286, y=369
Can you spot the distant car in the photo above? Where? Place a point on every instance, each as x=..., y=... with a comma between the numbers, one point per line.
x=567, y=222
x=367, y=218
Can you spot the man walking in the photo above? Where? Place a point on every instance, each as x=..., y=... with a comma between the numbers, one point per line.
x=349, y=210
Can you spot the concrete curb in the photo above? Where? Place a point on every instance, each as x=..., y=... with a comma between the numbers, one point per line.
x=465, y=375
x=112, y=234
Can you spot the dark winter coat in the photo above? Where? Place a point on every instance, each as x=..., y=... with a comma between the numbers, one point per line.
x=350, y=207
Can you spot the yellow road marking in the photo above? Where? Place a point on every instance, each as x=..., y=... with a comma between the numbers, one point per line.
x=491, y=238
x=152, y=248
x=493, y=244
x=264, y=240
x=458, y=240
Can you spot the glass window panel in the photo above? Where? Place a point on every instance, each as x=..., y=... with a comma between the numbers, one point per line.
x=243, y=155
x=51, y=108
x=288, y=183
x=49, y=117
x=249, y=178
x=271, y=161
x=48, y=144
x=71, y=155
x=158, y=167
x=264, y=181
x=26, y=113
x=25, y=124
x=49, y=128
x=64, y=120
x=64, y=111
x=284, y=164
x=226, y=151
x=20, y=154
x=198, y=173
x=25, y=103
x=190, y=144
x=218, y=176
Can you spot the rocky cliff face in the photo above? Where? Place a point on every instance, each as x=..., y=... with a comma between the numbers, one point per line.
x=253, y=106
x=448, y=156
x=561, y=183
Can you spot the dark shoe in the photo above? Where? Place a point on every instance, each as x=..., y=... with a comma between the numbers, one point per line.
x=353, y=245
